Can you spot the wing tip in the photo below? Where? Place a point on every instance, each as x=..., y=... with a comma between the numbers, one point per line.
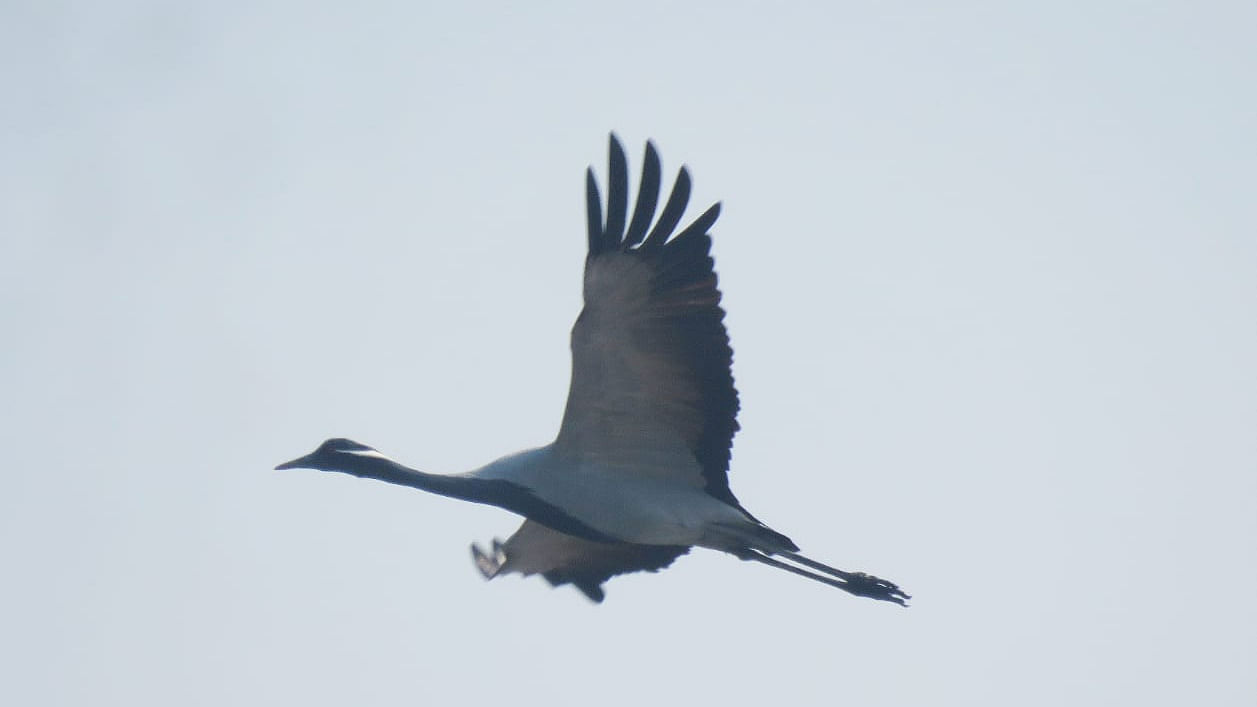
x=593, y=212
x=618, y=231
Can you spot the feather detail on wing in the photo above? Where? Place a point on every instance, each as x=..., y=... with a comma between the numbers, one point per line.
x=566, y=559
x=651, y=381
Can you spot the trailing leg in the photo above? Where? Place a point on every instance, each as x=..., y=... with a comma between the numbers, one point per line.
x=857, y=583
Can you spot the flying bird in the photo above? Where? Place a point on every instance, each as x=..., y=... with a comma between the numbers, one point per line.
x=638, y=473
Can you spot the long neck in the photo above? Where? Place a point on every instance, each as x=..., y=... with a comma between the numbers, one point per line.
x=376, y=466
x=498, y=492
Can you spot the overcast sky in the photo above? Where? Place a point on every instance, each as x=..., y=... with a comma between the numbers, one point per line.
x=991, y=276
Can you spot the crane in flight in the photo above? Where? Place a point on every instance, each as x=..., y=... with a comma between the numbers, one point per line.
x=638, y=473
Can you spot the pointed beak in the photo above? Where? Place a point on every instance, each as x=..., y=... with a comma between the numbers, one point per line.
x=298, y=463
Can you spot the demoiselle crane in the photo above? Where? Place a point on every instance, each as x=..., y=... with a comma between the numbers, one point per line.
x=639, y=471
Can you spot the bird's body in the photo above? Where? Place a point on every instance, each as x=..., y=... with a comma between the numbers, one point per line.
x=638, y=473
x=636, y=508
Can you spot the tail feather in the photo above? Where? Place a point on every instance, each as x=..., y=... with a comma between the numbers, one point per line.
x=778, y=542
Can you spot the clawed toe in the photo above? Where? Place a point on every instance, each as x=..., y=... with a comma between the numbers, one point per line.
x=866, y=585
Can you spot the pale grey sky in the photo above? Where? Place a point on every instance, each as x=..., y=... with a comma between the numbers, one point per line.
x=991, y=275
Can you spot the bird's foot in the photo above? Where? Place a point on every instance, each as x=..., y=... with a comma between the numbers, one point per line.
x=866, y=585
x=489, y=563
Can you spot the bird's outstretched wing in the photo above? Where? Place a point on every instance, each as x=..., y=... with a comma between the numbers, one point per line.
x=651, y=380
x=566, y=559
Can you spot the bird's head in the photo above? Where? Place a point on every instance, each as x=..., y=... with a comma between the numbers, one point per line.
x=333, y=455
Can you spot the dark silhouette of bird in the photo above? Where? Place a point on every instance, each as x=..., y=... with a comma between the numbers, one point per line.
x=638, y=473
